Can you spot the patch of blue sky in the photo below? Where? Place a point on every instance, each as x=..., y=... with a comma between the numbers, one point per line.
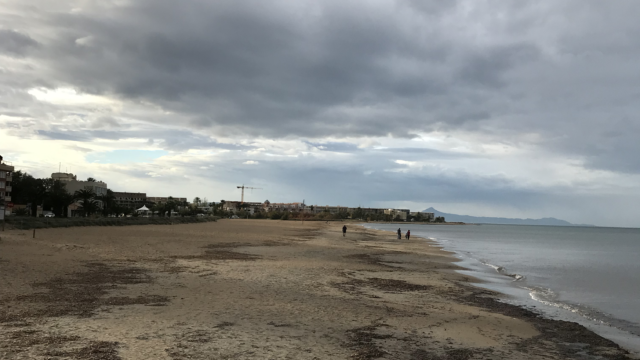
x=125, y=156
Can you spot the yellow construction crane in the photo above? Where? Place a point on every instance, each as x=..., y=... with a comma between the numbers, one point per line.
x=246, y=187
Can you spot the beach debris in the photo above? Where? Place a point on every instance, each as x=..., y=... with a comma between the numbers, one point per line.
x=455, y=354
x=51, y=344
x=353, y=286
x=82, y=293
x=95, y=350
x=219, y=255
x=362, y=341
x=224, y=324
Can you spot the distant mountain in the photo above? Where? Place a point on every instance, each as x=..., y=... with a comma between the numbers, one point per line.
x=499, y=220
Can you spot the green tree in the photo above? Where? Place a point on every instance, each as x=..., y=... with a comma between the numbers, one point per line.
x=59, y=198
x=37, y=194
x=170, y=205
x=358, y=213
x=21, y=212
x=108, y=202
x=20, y=192
x=87, y=201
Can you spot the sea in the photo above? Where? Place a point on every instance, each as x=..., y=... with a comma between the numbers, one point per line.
x=589, y=275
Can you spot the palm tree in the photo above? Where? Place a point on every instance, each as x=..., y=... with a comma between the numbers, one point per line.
x=58, y=197
x=156, y=208
x=86, y=197
x=170, y=205
x=108, y=201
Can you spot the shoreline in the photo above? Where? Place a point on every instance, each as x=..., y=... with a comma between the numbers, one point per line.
x=259, y=289
x=505, y=289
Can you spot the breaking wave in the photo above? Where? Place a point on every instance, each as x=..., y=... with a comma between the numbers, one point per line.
x=502, y=270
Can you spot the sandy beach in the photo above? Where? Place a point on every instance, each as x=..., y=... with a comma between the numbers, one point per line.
x=258, y=289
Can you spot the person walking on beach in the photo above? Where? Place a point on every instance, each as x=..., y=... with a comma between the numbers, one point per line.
x=344, y=231
x=399, y=234
x=408, y=234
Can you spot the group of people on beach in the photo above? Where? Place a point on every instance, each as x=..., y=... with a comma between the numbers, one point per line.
x=406, y=236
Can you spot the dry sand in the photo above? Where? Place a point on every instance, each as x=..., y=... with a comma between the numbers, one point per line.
x=258, y=289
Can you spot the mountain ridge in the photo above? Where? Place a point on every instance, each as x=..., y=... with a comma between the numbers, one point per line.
x=549, y=221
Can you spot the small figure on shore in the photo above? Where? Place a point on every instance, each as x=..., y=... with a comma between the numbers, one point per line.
x=408, y=236
x=344, y=230
x=399, y=234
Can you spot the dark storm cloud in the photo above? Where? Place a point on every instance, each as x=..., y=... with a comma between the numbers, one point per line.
x=258, y=68
x=485, y=68
x=14, y=43
x=502, y=71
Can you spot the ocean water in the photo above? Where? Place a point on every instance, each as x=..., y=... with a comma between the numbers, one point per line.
x=584, y=274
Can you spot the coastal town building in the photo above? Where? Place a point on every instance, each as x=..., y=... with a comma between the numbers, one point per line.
x=137, y=200
x=130, y=200
x=316, y=209
x=164, y=199
x=397, y=213
x=72, y=184
x=6, y=170
x=424, y=216
x=250, y=207
x=282, y=207
x=297, y=207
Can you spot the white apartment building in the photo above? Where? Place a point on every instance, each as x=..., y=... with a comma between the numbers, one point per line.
x=400, y=213
x=6, y=169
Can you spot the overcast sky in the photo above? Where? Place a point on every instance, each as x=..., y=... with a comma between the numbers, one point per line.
x=488, y=108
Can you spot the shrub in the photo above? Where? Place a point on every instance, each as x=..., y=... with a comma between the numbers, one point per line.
x=24, y=223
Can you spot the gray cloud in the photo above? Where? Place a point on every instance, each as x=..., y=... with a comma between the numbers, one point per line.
x=191, y=72
x=169, y=140
x=14, y=43
x=335, y=146
x=263, y=72
x=339, y=70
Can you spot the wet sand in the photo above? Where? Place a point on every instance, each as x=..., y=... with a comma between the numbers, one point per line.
x=258, y=289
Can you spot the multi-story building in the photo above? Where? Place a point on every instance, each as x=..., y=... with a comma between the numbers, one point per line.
x=397, y=213
x=130, y=200
x=6, y=170
x=316, y=209
x=162, y=199
x=254, y=207
x=251, y=207
x=426, y=216
x=290, y=207
x=72, y=184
